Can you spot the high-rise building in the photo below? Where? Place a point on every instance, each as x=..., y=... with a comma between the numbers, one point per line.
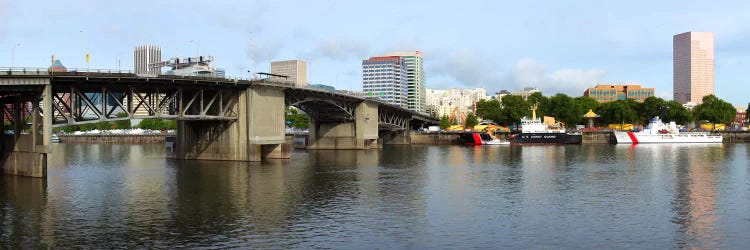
x=415, y=79
x=295, y=70
x=144, y=56
x=384, y=77
x=693, y=66
x=608, y=93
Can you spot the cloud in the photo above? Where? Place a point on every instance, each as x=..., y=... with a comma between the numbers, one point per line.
x=263, y=51
x=338, y=49
x=469, y=68
x=530, y=73
x=464, y=66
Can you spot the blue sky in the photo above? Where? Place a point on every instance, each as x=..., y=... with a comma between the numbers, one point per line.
x=557, y=46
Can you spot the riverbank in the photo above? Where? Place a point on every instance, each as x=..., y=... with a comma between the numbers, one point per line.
x=589, y=137
x=113, y=139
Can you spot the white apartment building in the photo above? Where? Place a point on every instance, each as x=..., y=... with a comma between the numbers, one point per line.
x=525, y=92
x=445, y=102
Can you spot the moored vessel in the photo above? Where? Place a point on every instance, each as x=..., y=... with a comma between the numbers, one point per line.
x=534, y=132
x=659, y=132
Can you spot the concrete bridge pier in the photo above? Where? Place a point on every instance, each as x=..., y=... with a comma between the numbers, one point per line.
x=360, y=133
x=257, y=133
x=397, y=137
x=24, y=151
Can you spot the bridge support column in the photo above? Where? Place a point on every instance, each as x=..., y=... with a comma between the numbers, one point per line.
x=24, y=152
x=399, y=137
x=258, y=132
x=362, y=133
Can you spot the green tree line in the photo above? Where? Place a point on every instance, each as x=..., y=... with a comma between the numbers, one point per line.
x=296, y=120
x=148, y=124
x=510, y=109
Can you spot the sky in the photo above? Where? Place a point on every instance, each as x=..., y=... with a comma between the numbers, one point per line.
x=556, y=46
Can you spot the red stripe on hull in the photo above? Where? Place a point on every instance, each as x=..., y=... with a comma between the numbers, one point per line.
x=632, y=137
x=477, y=139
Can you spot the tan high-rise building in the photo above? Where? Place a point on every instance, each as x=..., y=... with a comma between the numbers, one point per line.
x=143, y=58
x=295, y=70
x=693, y=66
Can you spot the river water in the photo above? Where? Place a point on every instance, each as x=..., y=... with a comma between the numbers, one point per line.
x=413, y=197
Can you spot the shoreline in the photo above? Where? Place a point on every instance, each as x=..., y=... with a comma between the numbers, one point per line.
x=439, y=138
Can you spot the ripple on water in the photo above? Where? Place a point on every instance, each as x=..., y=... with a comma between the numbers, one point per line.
x=423, y=197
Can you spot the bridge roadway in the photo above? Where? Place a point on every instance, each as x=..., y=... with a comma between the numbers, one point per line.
x=217, y=118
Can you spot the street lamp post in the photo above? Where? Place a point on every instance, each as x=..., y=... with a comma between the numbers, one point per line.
x=88, y=42
x=197, y=47
x=13, y=54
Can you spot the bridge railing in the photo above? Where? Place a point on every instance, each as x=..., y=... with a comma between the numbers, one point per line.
x=23, y=71
x=47, y=72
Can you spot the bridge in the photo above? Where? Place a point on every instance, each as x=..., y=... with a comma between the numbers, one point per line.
x=217, y=118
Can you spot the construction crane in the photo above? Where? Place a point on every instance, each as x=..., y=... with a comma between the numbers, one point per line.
x=457, y=116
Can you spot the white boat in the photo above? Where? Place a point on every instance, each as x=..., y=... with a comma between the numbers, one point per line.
x=490, y=140
x=659, y=132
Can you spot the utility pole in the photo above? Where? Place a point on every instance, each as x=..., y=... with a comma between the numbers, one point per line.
x=12, y=54
x=250, y=55
x=88, y=43
x=197, y=47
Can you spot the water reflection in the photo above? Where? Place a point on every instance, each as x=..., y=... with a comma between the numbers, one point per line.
x=22, y=213
x=695, y=194
x=584, y=196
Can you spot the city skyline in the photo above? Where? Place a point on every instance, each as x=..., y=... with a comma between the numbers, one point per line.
x=556, y=47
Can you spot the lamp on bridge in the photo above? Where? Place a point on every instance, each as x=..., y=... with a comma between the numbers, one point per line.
x=12, y=54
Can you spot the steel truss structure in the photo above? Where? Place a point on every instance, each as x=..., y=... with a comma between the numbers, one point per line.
x=389, y=119
x=76, y=104
x=89, y=97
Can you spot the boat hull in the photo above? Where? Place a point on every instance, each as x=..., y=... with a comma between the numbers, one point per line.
x=623, y=137
x=479, y=139
x=546, y=139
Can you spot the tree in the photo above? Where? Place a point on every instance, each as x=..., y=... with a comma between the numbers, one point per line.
x=471, y=120
x=537, y=98
x=678, y=113
x=123, y=124
x=586, y=103
x=652, y=106
x=66, y=129
x=157, y=124
x=295, y=119
x=715, y=110
x=513, y=109
x=489, y=110
x=620, y=111
x=103, y=125
x=564, y=109
x=87, y=127
x=444, y=122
